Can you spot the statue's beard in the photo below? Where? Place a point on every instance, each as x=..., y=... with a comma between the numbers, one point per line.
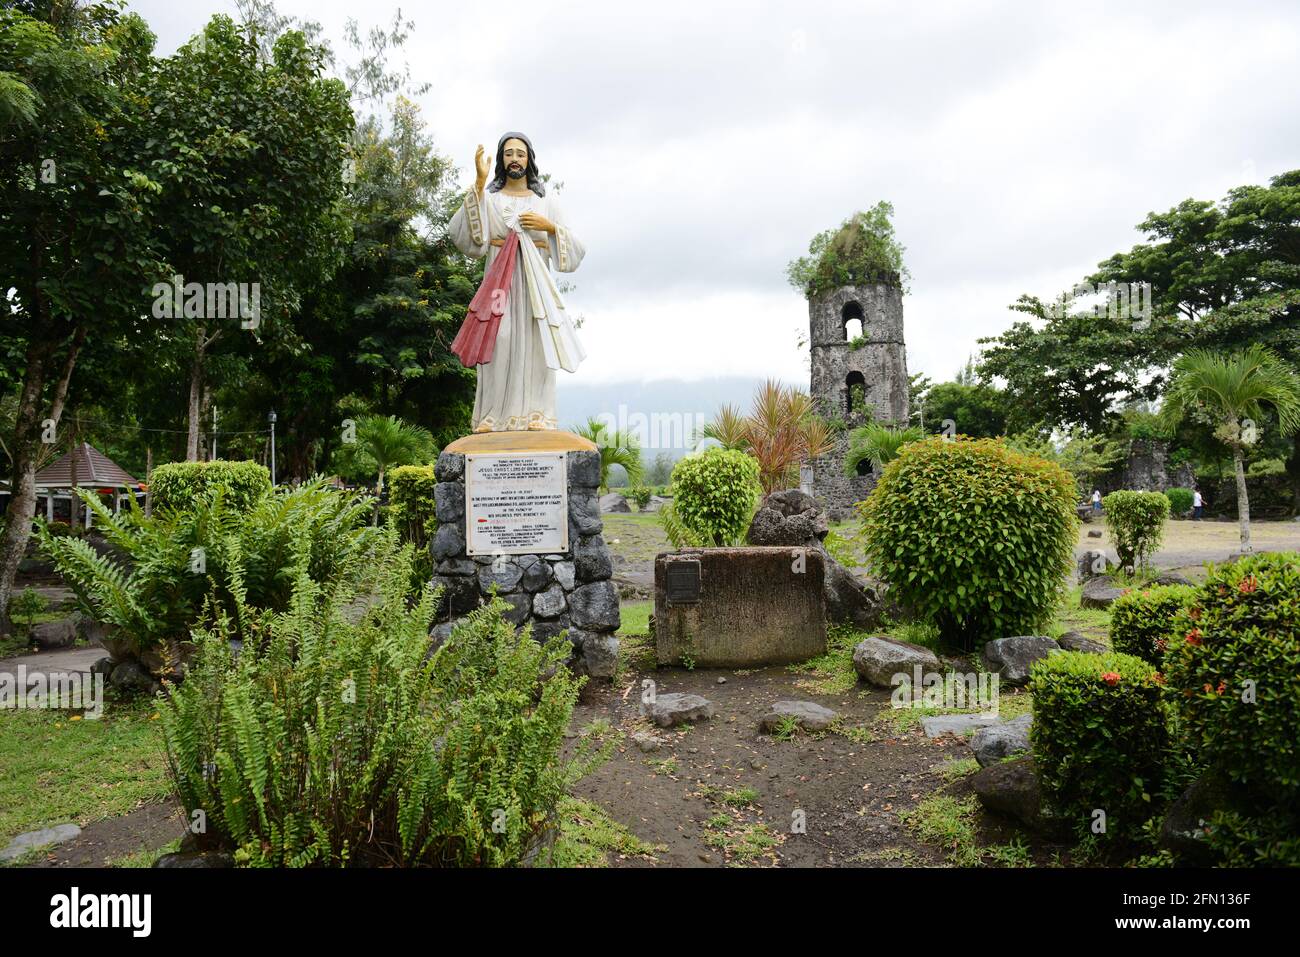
x=515, y=172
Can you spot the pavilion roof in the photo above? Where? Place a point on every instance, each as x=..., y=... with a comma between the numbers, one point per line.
x=94, y=469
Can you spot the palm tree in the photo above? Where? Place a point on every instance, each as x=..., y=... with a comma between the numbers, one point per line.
x=385, y=442
x=617, y=447
x=782, y=431
x=1234, y=390
x=877, y=444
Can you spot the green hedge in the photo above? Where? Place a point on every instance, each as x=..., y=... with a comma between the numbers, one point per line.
x=715, y=495
x=175, y=486
x=1141, y=622
x=1180, y=501
x=976, y=537
x=1136, y=521
x=411, y=506
x=1234, y=673
x=1099, y=738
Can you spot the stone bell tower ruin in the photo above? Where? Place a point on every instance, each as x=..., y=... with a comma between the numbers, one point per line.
x=859, y=375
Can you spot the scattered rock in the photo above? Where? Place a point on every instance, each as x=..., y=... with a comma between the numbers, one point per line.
x=23, y=843
x=722, y=681
x=878, y=659
x=1172, y=578
x=1099, y=593
x=1074, y=641
x=1183, y=830
x=999, y=741
x=600, y=655
x=808, y=716
x=1012, y=657
x=669, y=710
x=1011, y=788
x=647, y=742
x=1094, y=533
x=956, y=723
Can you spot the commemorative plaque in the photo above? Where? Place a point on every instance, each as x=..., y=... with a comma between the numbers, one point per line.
x=516, y=503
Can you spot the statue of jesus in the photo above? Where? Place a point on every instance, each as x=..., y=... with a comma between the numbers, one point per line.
x=516, y=332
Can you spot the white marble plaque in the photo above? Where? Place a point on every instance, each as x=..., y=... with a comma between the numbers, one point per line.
x=516, y=503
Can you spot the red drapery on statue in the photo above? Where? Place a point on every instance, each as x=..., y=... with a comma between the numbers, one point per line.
x=478, y=333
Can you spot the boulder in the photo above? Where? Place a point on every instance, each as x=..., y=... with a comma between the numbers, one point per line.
x=504, y=575
x=1099, y=592
x=848, y=600
x=130, y=675
x=51, y=635
x=537, y=574
x=940, y=724
x=1183, y=830
x=614, y=502
x=807, y=715
x=1012, y=657
x=1172, y=578
x=999, y=741
x=196, y=859
x=656, y=503
x=1011, y=788
x=1074, y=641
x=669, y=710
x=878, y=659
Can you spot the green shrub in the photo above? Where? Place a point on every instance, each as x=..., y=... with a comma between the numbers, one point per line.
x=413, y=512
x=25, y=606
x=1099, y=738
x=179, y=485
x=334, y=743
x=975, y=537
x=715, y=494
x=1137, y=522
x=640, y=494
x=1142, y=620
x=1233, y=669
x=1180, y=501
x=185, y=566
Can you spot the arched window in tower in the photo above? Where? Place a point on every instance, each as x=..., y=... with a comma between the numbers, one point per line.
x=851, y=318
x=855, y=393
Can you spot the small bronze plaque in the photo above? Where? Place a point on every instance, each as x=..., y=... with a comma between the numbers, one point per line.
x=682, y=581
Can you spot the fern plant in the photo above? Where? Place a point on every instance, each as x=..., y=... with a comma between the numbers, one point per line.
x=333, y=742
x=173, y=565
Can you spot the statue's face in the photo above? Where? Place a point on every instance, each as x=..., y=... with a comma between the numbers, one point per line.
x=516, y=158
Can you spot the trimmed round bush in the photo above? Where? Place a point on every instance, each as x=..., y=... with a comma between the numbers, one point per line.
x=1180, y=501
x=175, y=486
x=1233, y=669
x=973, y=536
x=1141, y=622
x=715, y=494
x=1137, y=524
x=1099, y=738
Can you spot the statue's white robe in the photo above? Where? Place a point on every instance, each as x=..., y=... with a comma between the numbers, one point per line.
x=517, y=388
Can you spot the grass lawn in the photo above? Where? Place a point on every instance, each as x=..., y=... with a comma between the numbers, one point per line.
x=60, y=767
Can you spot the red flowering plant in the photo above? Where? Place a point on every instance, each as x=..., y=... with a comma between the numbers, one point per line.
x=1233, y=670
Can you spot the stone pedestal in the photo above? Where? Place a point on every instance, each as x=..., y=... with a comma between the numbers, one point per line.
x=562, y=591
x=739, y=607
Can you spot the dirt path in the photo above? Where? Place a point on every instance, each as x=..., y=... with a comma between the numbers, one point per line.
x=850, y=791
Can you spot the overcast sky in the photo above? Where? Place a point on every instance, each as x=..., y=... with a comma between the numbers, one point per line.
x=702, y=145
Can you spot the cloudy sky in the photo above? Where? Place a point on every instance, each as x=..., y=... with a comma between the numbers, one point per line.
x=702, y=145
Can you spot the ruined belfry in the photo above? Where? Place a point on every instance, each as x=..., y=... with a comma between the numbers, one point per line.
x=859, y=375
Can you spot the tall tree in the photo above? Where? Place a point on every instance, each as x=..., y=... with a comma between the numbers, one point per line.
x=74, y=216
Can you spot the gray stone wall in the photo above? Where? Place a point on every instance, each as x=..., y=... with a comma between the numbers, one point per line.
x=561, y=592
x=1147, y=470
x=882, y=364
